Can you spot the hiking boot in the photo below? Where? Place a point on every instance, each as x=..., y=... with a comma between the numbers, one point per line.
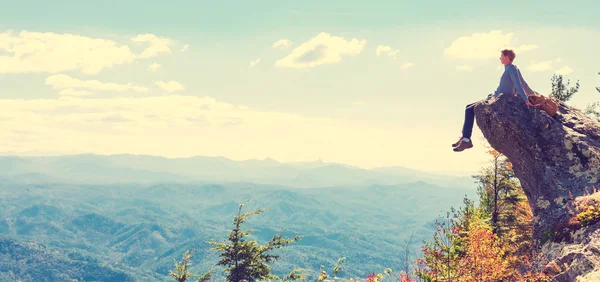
x=463, y=145
x=457, y=142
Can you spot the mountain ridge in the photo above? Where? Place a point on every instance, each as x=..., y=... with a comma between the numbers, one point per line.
x=132, y=168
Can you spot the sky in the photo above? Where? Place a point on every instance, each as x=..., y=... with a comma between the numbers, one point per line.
x=364, y=83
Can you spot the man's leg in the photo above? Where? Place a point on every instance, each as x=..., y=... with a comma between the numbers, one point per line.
x=467, y=130
x=467, y=125
x=465, y=142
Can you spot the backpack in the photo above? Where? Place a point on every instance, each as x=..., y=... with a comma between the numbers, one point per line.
x=546, y=104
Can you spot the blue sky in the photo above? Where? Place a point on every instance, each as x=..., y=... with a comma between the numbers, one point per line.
x=231, y=17
x=370, y=84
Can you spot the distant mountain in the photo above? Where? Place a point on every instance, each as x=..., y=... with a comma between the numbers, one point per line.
x=136, y=230
x=32, y=262
x=132, y=215
x=126, y=168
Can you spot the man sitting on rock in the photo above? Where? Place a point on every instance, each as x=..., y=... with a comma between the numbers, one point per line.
x=511, y=82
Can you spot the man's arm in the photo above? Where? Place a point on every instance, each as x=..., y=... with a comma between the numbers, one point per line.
x=514, y=76
x=526, y=87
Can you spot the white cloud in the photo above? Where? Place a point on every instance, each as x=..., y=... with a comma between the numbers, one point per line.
x=63, y=81
x=382, y=49
x=73, y=92
x=483, y=46
x=282, y=43
x=393, y=54
x=185, y=47
x=548, y=66
x=255, y=62
x=170, y=86
x=407, y=65
x=47, y=52
x=52, y=53
x=322, y=49
x=540, y=66
x=564, y=70
x=386, y=50
x=154, y=67
x=526, y=47
x=183, y=126
x=157, y=45
x=464, y=68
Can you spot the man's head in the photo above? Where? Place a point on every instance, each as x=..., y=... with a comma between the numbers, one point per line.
x=507, y=56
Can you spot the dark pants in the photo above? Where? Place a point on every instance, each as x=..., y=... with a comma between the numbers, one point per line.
x=469, y=120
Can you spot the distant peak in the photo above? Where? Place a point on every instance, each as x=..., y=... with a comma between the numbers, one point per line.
x=271, y=160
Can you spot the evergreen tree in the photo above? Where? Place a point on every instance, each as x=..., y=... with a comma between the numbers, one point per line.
x=561, y=91
x=247, y=261
x=182, y=273
x=592, y=109
x=499, y=191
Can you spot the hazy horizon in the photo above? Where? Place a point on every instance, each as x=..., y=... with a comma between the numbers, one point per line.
x=360, y=84
x=34, y=154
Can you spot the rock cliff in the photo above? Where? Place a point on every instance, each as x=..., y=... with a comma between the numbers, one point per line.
x=557, y=160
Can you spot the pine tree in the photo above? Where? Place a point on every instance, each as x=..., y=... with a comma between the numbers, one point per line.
x=561, y=91
x=247, y=260
x=498, y=191
x=592, y=109
x=511, y=217
x=182, y=274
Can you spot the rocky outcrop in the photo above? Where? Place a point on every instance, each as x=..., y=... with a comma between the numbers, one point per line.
x=577, y=259
x=557, y=159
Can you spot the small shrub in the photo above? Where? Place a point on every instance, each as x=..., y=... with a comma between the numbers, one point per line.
x=586, y=208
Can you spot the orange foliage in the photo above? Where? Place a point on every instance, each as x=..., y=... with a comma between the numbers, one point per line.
x=484, y=258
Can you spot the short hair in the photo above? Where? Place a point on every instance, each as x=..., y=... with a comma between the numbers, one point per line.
x=509, y=53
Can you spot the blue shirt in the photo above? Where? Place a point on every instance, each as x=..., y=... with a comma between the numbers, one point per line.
x=512, y=82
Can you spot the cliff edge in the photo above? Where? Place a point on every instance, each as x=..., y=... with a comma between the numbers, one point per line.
x=557, y=160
